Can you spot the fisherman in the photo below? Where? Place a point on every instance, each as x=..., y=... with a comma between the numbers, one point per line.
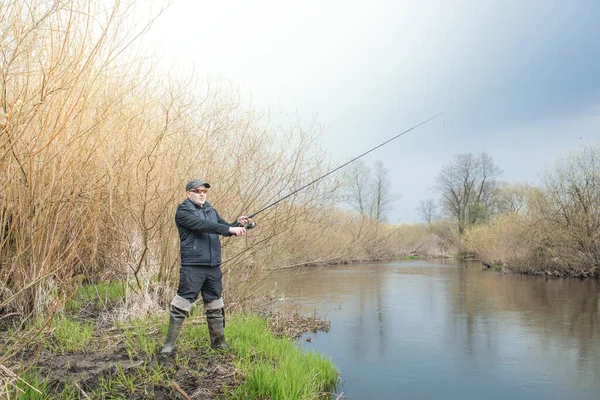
x=199, y=224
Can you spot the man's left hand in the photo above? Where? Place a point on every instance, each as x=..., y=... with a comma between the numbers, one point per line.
x=243, y=221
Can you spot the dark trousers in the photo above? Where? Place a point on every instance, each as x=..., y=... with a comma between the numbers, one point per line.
x=195, y=280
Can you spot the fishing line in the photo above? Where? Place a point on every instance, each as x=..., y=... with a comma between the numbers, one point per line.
x=253, y=224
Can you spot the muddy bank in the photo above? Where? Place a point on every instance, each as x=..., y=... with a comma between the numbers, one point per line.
x=204, y=375
x=124, y=361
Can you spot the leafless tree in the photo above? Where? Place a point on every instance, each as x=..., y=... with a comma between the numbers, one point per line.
x=381, y=193
x=514, y=198
x=368, y=190
x=427, y=210
x=357, y=181
x=469, y=188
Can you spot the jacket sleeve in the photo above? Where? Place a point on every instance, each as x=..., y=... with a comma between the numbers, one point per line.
x=188, y=219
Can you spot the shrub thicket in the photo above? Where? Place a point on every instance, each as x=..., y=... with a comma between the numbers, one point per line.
x=558, y=232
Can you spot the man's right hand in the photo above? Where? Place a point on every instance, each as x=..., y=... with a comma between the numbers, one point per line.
x=237, y=230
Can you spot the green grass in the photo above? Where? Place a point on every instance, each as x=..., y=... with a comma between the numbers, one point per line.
x=35, y=388
x=38, y=388
x=97, y=295
x=276, y=368
x=111, y=290
x=70, y=336
x=142, y=336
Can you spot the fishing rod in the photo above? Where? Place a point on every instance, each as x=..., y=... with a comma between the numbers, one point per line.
x=253, y=224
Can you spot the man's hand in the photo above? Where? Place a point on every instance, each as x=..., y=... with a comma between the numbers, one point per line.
x=242, y=221
x=237, y=231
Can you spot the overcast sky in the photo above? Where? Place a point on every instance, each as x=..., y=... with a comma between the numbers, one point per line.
x=519, y=79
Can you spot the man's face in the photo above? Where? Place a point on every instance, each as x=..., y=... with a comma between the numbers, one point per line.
x=198, y=195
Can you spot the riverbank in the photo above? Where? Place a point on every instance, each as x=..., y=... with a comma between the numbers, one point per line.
x=556, y=272
x=498, y=266
x=346, y=261
x=78, y=358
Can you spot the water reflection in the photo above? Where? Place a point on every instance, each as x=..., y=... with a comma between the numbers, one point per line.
x=443, y=329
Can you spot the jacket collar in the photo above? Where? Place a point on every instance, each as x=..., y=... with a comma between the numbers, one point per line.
x=191, y=204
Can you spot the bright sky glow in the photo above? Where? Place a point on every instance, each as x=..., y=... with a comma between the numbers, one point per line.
x=518, y=79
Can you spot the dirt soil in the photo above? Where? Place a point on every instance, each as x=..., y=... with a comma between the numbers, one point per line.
x=204, y=377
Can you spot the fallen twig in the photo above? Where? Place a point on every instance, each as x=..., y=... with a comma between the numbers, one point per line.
x=180, y=390
x=81, y=390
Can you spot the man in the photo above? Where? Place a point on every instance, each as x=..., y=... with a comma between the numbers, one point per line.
x=199, y=226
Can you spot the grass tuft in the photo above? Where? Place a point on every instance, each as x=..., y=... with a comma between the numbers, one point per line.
x=277, y=368
x=97, y=295
x=70, y=336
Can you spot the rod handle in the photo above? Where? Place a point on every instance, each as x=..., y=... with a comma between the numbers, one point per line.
x=250, y=225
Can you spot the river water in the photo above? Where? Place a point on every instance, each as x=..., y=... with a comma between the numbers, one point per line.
x=443, y=330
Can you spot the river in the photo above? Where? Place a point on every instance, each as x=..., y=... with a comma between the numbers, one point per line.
x=449, y=330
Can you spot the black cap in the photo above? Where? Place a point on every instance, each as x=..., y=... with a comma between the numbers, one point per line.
x=194, y=184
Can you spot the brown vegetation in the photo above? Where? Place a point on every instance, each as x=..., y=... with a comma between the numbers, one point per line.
x=294, y=325
x=556, y=229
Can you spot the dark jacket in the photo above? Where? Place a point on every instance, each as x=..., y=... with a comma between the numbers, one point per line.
x=199, y=228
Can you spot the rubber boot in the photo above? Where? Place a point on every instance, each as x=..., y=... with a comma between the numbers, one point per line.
x=215, y=320
x=174, y=329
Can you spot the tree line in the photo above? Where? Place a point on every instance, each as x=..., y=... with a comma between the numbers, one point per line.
x=551, y=228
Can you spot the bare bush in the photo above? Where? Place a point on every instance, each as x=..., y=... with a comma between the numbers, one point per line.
x=500, y=242
x=560, y=232
x=423, y=240
x=571, y=210
x=515, y=198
